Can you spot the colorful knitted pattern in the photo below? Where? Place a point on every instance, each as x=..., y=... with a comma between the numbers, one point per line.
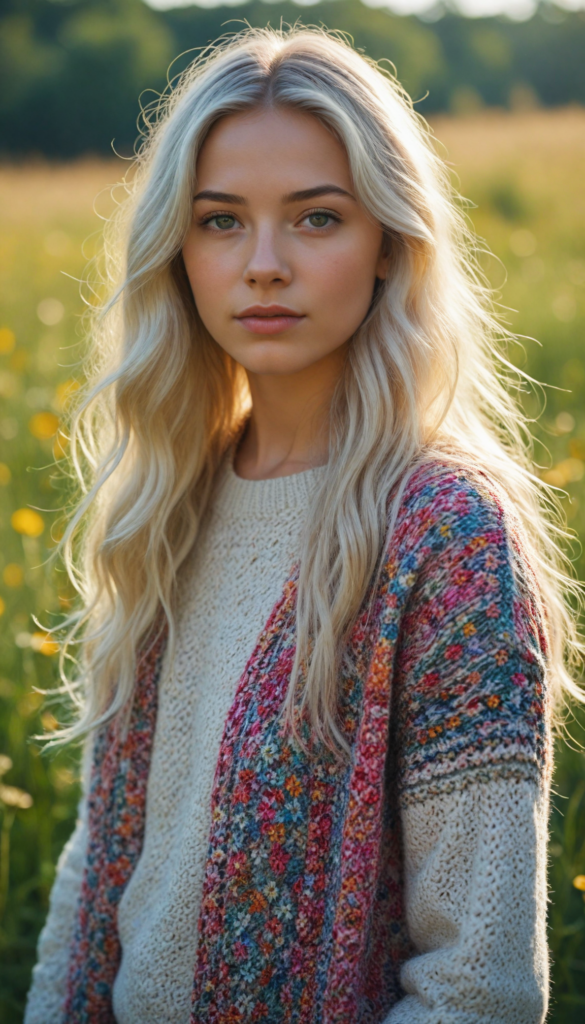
x=117, y=801
x=302, y=913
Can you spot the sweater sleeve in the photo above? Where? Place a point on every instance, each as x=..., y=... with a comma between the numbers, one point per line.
x=475, y=895
x=49, y=979
x=472, y=775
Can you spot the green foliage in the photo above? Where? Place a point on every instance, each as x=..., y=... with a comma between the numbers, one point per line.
x=524, y=173
x=78, y=69
x=71, y=70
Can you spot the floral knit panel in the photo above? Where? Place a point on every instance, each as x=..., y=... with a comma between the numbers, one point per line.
x=470, y=688
x=302, y=915
x=273, y=858
x=117, y=802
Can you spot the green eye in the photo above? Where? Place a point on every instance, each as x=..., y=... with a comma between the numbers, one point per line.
x=319, y=220
x=223, y=221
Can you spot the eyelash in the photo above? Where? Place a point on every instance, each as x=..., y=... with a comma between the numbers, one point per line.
x=310, y=213
x=211, y=216
x=327, y=213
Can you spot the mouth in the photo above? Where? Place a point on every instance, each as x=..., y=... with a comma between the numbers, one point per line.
x=269, y=319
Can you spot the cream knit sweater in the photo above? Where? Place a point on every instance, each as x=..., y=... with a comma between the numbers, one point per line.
x=474, y=859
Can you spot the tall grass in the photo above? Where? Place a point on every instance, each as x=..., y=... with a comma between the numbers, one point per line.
x=525, y=174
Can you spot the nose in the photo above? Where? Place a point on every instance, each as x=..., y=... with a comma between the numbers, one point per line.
x=267, y=265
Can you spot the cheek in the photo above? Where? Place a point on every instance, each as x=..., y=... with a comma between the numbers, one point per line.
x=210, y=277
x=343, y=280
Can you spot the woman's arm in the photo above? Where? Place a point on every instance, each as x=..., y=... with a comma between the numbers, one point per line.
x=473, y=748
x=47, y=992
x=475, y=889
x=49, y=979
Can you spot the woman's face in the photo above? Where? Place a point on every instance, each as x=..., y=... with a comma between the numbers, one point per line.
x=281, y=257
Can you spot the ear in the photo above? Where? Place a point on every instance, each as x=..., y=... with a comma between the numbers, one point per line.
x=383, y=264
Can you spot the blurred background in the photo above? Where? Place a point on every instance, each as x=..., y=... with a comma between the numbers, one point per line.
x=503, y=85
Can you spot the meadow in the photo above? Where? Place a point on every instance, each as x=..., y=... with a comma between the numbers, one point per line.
x=524, y=174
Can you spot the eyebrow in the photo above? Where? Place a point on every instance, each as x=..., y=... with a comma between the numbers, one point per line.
x=293, y=197
x=313, y=193
x=220, y=197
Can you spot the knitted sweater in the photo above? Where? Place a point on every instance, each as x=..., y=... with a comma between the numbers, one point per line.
x=473, y=850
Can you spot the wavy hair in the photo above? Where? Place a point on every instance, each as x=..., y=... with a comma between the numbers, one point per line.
x=426, y=372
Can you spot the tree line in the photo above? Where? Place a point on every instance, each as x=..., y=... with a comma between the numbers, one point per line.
x=71, y=71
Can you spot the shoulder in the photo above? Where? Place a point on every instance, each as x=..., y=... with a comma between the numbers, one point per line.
x=457, y=552
x=449, y=506
x=442, y=491
x=472, y=660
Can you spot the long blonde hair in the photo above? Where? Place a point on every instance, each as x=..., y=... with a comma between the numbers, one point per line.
x=426, y=371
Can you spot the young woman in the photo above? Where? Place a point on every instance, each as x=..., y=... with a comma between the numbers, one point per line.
x=322, y=607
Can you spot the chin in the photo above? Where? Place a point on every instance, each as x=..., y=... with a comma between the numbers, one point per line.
x=275, y=358
x=276, y=367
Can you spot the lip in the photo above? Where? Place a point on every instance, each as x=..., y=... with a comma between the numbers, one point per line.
x=273, y=319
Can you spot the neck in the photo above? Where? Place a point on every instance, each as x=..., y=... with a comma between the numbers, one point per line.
x=288, y=429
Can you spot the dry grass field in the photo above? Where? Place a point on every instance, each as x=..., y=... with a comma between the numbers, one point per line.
x=524, y=175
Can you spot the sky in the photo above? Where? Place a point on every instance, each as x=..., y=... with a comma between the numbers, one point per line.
x=518, y=9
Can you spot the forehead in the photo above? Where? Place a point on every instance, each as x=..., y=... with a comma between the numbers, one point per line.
x=278, y=148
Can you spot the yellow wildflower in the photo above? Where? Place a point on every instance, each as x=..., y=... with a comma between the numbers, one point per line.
x=43, y=425
x=44, y=644
x=28, y=522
